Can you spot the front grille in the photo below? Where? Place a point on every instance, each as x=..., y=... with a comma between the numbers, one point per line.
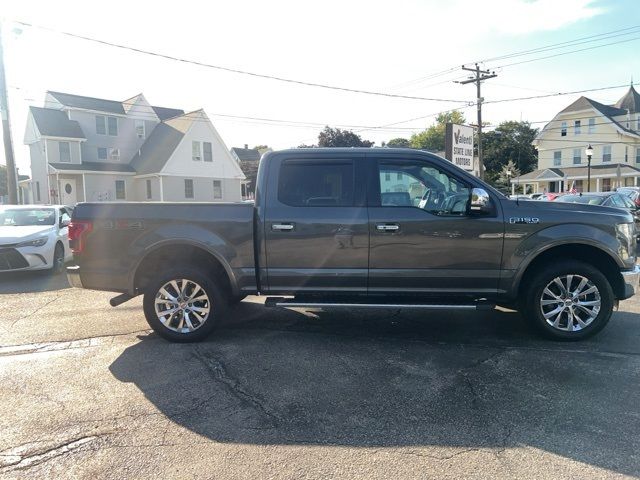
x=10, y=259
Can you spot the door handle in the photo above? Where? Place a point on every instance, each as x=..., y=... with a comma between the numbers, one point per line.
x=387, y=227
x=282, y=227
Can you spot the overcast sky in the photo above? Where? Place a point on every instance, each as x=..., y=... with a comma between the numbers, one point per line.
x=371, y=45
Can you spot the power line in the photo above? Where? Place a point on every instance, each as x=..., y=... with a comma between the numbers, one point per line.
x=234, y=70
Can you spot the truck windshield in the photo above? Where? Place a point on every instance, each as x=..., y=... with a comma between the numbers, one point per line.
x=23, y=217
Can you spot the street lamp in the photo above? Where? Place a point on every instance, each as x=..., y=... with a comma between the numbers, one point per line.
x=589, y=152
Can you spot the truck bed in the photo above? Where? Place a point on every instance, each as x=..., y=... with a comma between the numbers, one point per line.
x=124, y=234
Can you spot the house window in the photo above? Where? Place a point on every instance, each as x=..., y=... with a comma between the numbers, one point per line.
x=102, y=153
x=638, y=155
x=112, y=123
x=140, y=130
x=38, y=190
x=592, y=125
x=606, y=184
x=576, y=127
x=577, y=156
x=65, y=151
x=399, y=176
x=606, y=153
x=206, y=150
x=149, y=189
x=217, y=189
x=106, y=124
x=120, y=193
x=114, y=154
x=563, y=129
x=387, y=177
x=638, y=122
x=188, y=188
x=195, y=151
x=101, y=125
x=557, y=158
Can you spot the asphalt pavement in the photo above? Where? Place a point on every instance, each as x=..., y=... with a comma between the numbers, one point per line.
x=88, y=391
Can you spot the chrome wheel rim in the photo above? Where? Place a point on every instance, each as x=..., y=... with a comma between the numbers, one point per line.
x=570, y=302
x=182, y=305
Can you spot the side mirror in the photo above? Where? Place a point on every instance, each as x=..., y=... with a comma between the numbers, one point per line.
x=480, y=201
x=65, y=221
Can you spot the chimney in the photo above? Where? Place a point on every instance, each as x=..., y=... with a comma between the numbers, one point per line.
x=246, y=146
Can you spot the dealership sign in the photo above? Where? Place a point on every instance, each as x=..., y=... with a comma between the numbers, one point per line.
x=458, y=145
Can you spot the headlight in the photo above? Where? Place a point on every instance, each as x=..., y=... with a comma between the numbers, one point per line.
x=38, y=242
x=626, y=230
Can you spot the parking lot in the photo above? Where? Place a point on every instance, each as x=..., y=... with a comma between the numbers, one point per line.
x=88, y=391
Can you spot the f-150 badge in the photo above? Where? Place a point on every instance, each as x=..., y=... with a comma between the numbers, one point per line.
x=524, y=220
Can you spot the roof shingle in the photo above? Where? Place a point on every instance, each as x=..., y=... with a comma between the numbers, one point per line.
x=55, y=123
x=89, y=103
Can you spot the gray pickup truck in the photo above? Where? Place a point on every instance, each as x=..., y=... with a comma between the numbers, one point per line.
x=360, y=228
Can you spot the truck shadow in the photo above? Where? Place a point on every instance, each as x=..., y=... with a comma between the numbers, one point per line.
x=32, y=281
x=447, y=381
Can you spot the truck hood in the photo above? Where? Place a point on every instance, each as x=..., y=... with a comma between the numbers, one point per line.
x=12, y=234
x=579, y=212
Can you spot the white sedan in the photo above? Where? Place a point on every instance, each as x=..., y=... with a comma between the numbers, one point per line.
x=34, y=237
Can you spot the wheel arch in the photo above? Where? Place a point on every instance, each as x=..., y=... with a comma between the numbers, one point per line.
x=587, y=253
x=189, y=252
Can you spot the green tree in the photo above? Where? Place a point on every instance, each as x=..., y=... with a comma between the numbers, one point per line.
x=399, y=143
x=510, y=141
x=506, y=173
x=433, y=137
x=334, y=137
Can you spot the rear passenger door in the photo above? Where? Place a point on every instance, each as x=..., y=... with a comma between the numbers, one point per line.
x=316, y=225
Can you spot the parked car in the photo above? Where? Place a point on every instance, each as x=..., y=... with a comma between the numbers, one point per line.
x=341, y=227
x=34, y=237
x=549, y=196
x=632, y=192
x=606, y=199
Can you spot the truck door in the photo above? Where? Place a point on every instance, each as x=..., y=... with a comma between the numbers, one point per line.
x=316, y=227
x=423, y=238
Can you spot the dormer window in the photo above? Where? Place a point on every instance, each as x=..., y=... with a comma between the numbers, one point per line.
x=106, y=125
x=140, y=129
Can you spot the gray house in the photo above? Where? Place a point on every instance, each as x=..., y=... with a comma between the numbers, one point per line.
x=91, y=149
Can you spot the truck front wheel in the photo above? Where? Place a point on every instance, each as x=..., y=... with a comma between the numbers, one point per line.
x=183, y=305
x=570, y=300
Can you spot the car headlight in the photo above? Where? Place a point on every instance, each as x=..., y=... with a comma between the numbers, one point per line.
x=37, y=242
x=626, y=230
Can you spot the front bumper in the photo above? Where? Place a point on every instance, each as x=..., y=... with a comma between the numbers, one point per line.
x=73, y=275
x=630, y=278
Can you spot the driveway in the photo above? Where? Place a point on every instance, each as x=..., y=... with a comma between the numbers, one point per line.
x=87, y=390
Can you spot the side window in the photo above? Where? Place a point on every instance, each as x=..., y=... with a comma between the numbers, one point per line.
x=323, y=184
x=422, y=186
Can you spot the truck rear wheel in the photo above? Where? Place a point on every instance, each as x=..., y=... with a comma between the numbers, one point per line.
x=570, y=300
x=183, y=305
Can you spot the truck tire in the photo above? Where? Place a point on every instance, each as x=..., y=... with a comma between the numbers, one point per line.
x=183, y=305
x=568, y=300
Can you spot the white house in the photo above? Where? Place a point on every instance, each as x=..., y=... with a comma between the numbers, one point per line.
x=91, y=149
x=613, y=131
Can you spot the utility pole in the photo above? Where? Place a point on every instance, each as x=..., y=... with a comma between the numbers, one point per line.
x=12, y=178
x=480, y=75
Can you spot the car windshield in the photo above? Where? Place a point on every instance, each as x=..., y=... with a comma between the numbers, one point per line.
x=588, y=199
x=23, y=217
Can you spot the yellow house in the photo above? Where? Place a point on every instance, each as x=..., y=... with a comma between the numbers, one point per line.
x=613, y=131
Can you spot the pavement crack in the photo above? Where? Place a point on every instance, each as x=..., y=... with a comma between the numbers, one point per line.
x=440, y=457
x=28, y=348
x=220, y=373
x=46, y=304
x=20, y=458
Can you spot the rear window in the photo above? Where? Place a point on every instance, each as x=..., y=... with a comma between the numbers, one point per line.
x=316, y=184
x=588, y=199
